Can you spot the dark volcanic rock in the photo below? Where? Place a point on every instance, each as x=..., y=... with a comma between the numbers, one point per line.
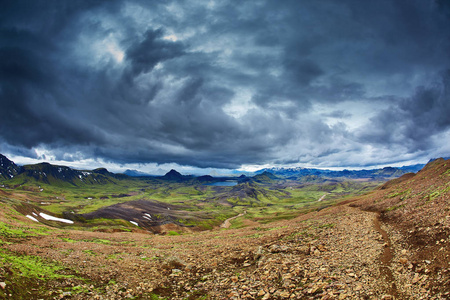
x=8, y=169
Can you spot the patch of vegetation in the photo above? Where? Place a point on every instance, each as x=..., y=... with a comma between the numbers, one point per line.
x=434, y=195
x=330, y=225
x=396, y=194
x=90, y=252
x=254, y=236
x=173, y=233
x=31, y=266
x=395, y=207
x=19, y=232
x=157, y=297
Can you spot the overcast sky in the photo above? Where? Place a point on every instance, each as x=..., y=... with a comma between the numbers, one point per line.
x=224, y=84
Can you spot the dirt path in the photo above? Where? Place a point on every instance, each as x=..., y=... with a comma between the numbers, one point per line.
x=227, y=222
x=386, y=259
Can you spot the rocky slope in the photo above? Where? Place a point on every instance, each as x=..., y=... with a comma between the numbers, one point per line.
x=8, y=169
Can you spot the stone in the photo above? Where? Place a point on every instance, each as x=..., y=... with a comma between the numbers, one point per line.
x=285, y=294
x=403, y=260
x=266, y=296
x=303, y=250
x=2, y=285
x=259, y=253
x=275, y=249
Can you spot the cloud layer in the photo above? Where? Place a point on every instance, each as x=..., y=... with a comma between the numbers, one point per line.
x=224, y=84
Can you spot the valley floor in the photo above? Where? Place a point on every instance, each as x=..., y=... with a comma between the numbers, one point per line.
x=341, y=252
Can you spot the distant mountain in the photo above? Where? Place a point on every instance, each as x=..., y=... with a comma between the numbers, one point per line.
x=206, y=178
x=384, y=173
x=8, y=169
x=135, y=173
x=53, y=174
x=173, y=175
x=265, y=177
x=412, y=168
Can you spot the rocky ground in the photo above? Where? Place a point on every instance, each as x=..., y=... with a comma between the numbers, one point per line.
x=332, y=254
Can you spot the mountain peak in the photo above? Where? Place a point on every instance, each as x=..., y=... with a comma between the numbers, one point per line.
x=173, y=175
x=8, y=169
x=101, y=171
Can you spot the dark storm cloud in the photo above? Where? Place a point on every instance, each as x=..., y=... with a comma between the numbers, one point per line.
x=412, y=122
x=223, y=83
x=145, y=54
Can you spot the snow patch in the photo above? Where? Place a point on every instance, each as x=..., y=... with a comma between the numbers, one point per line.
x=134, y=223
x=52, y=218
x=31, y=218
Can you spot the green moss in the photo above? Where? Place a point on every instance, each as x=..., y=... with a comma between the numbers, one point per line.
x=31, y=266
x=17, y=232
x=157, y=297
x=330, y=225
x=395, y=207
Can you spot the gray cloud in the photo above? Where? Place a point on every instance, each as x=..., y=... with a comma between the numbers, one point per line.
x=222, y=84
x=412, y=122
x=144, y=55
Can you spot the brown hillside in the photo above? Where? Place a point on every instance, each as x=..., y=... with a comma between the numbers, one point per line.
x=415, y=200
x=416, y=210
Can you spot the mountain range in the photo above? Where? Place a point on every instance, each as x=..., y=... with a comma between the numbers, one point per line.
x=54, y=174
x=383, y=173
